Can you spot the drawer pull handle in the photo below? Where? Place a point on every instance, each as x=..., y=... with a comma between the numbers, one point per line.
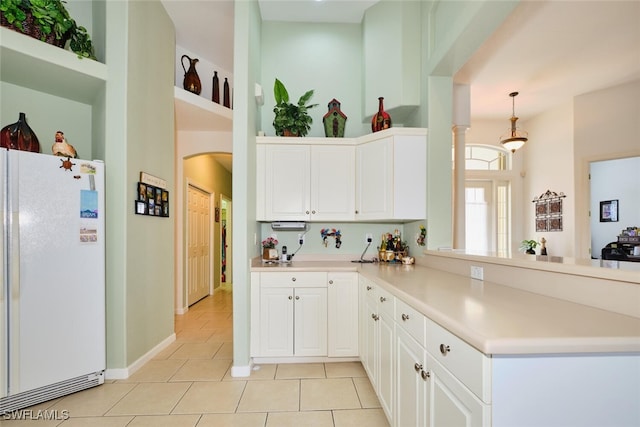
x=369, y=288
x=293, y=279
x=417, y=367
x=405, y=317
x=297, y=297
x=382, y=299
x=331, y=282
x=374, y=316
x=425, y=375
x=290, y=297
x=444, y=349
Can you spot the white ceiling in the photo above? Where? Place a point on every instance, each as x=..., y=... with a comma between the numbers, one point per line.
x=548, y=50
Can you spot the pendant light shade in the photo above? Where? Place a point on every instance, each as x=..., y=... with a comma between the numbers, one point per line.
x=514, y=138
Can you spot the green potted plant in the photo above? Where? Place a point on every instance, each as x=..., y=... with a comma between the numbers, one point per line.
x=528, y=246
x=46, y=20
x=291, y=119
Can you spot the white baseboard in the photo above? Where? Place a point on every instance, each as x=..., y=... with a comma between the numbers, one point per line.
x=124, y=373
x=241, y=371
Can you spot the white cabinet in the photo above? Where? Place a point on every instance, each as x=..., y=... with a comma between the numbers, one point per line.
x=305, y=182
x=342, y=317
x=450, y=402
x=411, y=381
x=422, y=374
x=391, y=179
x=293, y=315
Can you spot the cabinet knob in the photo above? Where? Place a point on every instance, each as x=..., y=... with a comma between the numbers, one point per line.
x=369, y=288
x=313, y=212
x=290, y=297
x=331, y=282
x=417, y=367
x=297, y=297
x=382, y=299
x=307, y=212
x=374, y=316
x=293, y=279
x=444, y=349
x=425, y=375
x=357, y=212
x=405, y=317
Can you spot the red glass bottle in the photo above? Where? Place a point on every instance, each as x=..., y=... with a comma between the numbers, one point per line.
x=381, y=120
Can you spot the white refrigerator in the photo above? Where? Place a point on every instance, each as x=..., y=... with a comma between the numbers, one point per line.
x=52, y=305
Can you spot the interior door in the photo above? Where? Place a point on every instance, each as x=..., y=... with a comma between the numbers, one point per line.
x=198, y=244
x=225, y=241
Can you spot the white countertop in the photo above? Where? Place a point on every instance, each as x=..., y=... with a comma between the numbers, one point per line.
x=495, y=319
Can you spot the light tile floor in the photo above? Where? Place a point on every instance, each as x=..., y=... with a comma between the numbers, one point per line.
x=189, y=384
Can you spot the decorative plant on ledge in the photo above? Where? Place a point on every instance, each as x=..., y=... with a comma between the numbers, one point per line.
x=46, y=20
x=291, y=119
x=528, y=246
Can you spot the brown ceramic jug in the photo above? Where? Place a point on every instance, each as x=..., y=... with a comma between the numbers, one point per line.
x=191, y=79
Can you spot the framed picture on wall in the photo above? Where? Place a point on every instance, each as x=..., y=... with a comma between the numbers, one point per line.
x=609, y=211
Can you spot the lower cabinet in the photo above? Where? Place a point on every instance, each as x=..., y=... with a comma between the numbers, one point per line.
x=342, y=316
x=411, y=381
x=304, y=314
x=414, y=387
x=293, y=321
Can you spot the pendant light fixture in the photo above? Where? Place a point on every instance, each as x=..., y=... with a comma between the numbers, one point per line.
x=513, y=138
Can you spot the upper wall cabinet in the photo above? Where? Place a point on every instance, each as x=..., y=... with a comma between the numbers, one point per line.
x=377, y=177
x=391, y=176
x=305, y=182
x=391, y=45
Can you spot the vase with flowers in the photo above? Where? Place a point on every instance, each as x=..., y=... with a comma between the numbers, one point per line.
x=269, y=251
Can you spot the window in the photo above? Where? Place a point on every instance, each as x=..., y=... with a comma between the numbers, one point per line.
x=487, y=199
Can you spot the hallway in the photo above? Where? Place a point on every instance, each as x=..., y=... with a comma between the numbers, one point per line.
x=189, y=384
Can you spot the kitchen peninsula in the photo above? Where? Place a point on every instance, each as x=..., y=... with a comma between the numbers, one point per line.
x=441, y=347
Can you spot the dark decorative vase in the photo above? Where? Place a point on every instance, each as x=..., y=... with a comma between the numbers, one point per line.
x=191, y=80
x=226, y=96
x=215, y=96
x=19, y=136
x=381, y=120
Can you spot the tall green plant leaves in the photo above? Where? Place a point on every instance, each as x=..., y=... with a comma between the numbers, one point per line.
x=280, y=93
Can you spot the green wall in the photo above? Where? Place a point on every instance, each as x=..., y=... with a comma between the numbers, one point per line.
x=324, y=57
x=139, y=137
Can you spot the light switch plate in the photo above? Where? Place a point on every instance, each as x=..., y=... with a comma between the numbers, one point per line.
x=477, y=272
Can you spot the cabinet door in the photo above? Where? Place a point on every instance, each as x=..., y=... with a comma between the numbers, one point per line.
x=276, y=322
x=287, y=182
x=411, y=383
x=369, y=352
x=342, y=319
x=332, y=183
x=450, y=403
x=374, y=180
x=310, y=331
x=386, y=348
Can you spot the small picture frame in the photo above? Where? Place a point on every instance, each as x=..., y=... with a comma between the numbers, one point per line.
x=609, y=211
x=151, y=200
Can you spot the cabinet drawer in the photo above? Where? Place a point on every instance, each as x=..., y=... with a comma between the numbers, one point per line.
x=281, y=279
x=469, y=365
x=368, y=289
x=385, y=301
x=411, y=320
